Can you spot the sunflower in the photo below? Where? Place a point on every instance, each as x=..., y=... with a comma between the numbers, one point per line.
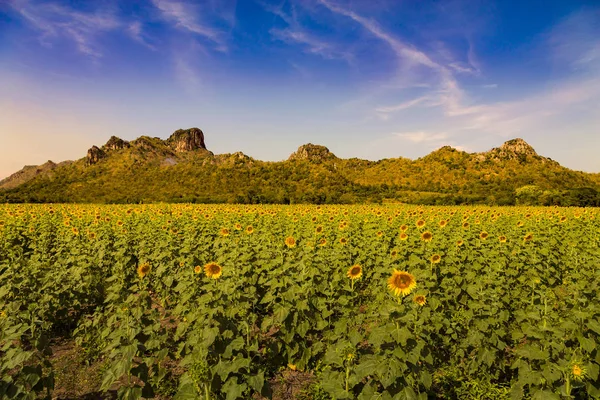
x=237, y=227
x=465, y=225
x=213, y=270
x=290, y=242
x=197, y=269
x=436, y=258
x=403, y=236
x=322, y=242
x=318, y=229
x=420, y=223
x=120, y=223
x=502, y=239
x=343, y=240
x=420, y=299
x=443, y=223
x=249, y=229
x=224, y=232
x=427, y=236
x=379, y=233
x=520, y=224
x=528, y=237
x=562, y=219
x=401, y=283
x=578, y=372
x=460, y=242
x=403, y=228
x=483, y=235
x=143, y=269
x=394, y=253
x=354, y=272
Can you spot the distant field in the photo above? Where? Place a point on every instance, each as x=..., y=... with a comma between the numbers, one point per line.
x=304, y=302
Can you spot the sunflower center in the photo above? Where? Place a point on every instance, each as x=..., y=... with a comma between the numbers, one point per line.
x=402, y=281
x=214, y=269
x=355, y=271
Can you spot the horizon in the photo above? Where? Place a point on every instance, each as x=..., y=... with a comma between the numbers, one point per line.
x=265, y=77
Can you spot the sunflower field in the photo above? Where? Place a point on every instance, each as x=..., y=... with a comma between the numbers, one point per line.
x=370, y=301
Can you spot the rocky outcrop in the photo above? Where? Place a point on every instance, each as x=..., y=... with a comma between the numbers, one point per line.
x=94, y=155
x=115, y=143
x=187, y=140
x=312, y=152
x=515, y=149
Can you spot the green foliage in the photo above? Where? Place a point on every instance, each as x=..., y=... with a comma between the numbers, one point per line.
x=509, y=308
x=150, y=171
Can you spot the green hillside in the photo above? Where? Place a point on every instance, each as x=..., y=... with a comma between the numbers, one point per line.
x=181, y=169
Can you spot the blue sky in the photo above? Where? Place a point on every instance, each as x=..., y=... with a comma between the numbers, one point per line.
x=367, y=78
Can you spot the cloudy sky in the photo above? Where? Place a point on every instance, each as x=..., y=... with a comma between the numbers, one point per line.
x=367, y=78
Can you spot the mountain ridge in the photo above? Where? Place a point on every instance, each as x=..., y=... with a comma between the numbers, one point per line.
x=181, y=168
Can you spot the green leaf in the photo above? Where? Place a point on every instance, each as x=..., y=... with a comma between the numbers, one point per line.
x=232, y=389
x=257, y=381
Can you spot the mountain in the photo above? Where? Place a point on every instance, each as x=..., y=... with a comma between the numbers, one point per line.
x=182, y=169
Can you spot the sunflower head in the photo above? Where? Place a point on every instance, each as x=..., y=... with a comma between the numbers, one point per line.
x=420, y=223
x=427, y=236
x=420, y=299
x=354, y=272
x=318, y=229
x=343, y=240
x=213, y=270
x=290, y=242
x=578, y=372
x=249, y=229
x=322, y=242
x=460, y=242
x=502, y=239
x=224, y=232
x=403, y=228
x=238, y=227
x=143, y=269
x=465, y=225
x=401, y=283
x=197, y=269
x=483, y=235
x=436, y=258
x=528, y=237
x=379, y=233
x=443, y=223
x=403, y=236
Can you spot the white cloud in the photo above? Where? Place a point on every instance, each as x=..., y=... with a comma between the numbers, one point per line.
x=422, y=136
x=135, y=30
x=185, y=16
x=312, y=44
x=55, y=20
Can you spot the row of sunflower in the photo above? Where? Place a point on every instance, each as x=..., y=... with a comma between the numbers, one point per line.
x=375, y=301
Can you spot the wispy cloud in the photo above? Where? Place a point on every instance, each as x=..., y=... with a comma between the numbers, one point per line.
x=295, y=33
x=185, y=16
x=55, y=20
x=135, y=30
x=576, y=40
x=312, y=44
x=422, y=136
x=445, y=89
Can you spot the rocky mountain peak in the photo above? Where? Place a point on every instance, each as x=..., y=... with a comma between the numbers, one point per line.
x=115, y=143
x=514, y=149
x=94, y=155
x=312, y=152
x=518, y=146
x=187, y=140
